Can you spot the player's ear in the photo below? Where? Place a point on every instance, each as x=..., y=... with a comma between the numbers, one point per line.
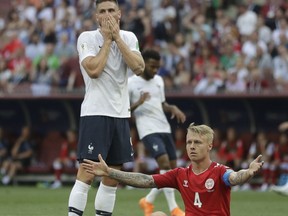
x=210, y=146
x=119, y=14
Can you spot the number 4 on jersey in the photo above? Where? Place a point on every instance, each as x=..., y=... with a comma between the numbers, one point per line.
x=197, y=201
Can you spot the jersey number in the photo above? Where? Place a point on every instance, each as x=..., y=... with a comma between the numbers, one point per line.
x=197, y=201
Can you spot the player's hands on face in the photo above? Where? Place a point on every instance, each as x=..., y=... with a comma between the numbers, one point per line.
x=105, y=29
x=114, y=26
x=256, y=165
x=96, y=168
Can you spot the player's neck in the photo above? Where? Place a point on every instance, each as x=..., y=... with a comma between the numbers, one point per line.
x=198, y=168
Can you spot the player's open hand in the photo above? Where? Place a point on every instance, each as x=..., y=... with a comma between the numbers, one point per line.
x=256, y=165
x=180, y=116
x=96, y=168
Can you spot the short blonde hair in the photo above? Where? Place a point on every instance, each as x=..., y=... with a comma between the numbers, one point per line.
x=202, y=130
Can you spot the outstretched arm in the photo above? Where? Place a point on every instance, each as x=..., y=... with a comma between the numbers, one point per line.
x=175, y=112
x=245, y=175
x=133, y=179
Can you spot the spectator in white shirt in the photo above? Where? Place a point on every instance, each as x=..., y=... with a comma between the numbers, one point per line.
x=280, y=64
x=246, y=21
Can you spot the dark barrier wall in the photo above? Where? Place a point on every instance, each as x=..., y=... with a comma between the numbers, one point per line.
x=246, y=113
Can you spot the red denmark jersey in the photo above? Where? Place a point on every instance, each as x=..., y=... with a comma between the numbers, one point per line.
x=203, y=194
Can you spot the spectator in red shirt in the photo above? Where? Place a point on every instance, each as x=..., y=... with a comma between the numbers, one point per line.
x=66, y=159
x=232, y=149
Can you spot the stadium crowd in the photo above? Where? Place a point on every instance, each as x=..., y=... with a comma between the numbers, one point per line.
x=207, y=47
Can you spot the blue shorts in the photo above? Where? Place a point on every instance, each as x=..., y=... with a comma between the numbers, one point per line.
x=107, y=136
x=160, y=143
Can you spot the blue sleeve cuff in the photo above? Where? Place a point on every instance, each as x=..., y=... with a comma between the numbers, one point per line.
x=225, y=177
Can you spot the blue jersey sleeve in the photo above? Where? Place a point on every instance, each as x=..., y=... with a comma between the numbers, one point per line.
x=225, y=177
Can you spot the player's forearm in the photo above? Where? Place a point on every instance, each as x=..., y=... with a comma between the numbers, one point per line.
x=95, y=65
x=240, y=177
x=133, y=179
x=135, y=105
x=168, y=107
x=133, y=60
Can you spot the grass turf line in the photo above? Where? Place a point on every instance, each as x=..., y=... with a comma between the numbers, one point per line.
x=33, y=201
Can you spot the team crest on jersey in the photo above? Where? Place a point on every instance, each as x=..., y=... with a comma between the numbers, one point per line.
x=84, y=46
x=209, y=184
x=185, y=183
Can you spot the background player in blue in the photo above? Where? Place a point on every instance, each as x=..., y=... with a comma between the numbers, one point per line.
x=105, y=55
x=147, y=97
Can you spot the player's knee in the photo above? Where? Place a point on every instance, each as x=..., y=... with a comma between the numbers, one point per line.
x=109, y=182
x=84, y=176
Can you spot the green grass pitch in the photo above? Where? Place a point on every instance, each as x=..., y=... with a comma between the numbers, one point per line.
x=33, y=201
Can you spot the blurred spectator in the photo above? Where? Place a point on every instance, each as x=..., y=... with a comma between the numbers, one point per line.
x=5, y=75
x=134, y=19
x=264, y=32
x=183, y=77
x=67, y=28
x=217, y=141
x=228, y=57
x=256, y=82
x=65, y=11
x=280, y=63
x=231, y=151
x=4, y=148
x=20, y=156
x=70, y=75
x=240, y=67
x=49, y=32
x=234, y=84
x=64, y=49
x=246, y=21
x=196, y=24
x=163, y=21
x=180, y=144
x=13, y=19
x=67, y=158
x=43, y=78
x=252, y=45
x=204, y=61
x=34, y=47
x=210, y=84
x=266, y=148
x=10, y=44
x=52, y=60
x=20, y=67
x=280, y=34
x=29, y=11
x=282, y=157
x=45, y=11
